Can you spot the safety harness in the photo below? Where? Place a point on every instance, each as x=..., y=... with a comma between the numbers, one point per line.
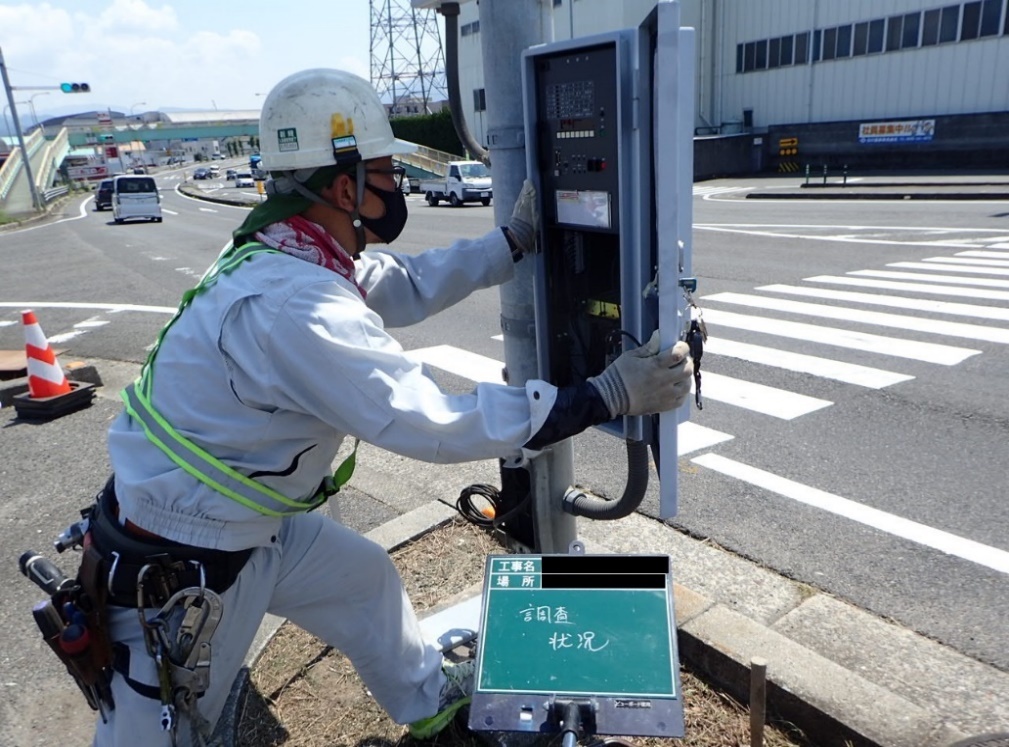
x=183, y=670
x=195, y=460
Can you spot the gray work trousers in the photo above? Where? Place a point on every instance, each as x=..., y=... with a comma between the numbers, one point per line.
x=325, y=578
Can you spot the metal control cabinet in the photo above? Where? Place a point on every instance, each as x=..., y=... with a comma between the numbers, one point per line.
x=608, y=124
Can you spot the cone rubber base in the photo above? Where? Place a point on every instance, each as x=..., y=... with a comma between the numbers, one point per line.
x=80, y=396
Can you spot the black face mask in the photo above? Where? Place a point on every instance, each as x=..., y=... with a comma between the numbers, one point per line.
x=390, y=225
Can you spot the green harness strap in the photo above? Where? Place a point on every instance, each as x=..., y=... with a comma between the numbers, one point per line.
x=197, y=462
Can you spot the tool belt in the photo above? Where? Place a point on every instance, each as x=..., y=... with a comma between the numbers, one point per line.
x=170, y=566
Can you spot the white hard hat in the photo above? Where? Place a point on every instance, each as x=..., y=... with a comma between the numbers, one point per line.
x=324, y=117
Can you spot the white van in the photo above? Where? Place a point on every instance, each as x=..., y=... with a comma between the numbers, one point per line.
x=135, y=197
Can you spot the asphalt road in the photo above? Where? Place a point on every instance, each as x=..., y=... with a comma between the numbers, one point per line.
x=882, y=484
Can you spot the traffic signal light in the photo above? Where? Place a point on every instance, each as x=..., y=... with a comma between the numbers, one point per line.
x=75, y=88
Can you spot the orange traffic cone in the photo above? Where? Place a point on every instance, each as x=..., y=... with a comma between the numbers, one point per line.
x=45, y=377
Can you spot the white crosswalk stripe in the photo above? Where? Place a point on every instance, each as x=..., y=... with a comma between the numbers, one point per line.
x=766, y=400
x=825, y=368
x=876, y=318
x=917, y=304
x=983, y=253
x=942, y=355
x=950, y=268
x=934, y=290
x=925, y=278
x=962, y=259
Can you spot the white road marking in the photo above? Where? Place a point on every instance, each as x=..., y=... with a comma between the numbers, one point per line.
x=878, y=318
x=6, y=323
x=849, y=373
x=960, y=259
x=478, y=368
x=942, y=355
x=207, y=210
x=499, y=338
x=835, y=237
x=898, y=526
x=692, y=437
x=949, y=268
x=935, y=290
x=82, y=213
x=982, y=253
x=113, y=308
x=766, y=400
x=922, y=277
x=917, y=304
x=170, y=212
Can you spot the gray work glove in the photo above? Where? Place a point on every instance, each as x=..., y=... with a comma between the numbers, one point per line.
x=646, y=380
x=524, y=221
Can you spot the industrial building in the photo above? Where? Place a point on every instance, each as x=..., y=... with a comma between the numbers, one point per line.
x=782, y=84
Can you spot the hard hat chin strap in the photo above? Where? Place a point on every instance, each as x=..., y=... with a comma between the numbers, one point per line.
x=355, y=215
x=289, y=182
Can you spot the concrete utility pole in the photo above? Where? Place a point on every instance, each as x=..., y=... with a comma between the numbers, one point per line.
x=36, y=200
x=506, y=28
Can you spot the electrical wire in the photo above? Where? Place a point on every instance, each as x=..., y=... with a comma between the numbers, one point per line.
x=468, y=510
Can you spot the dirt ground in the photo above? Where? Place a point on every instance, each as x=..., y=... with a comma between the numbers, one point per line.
x=304, y=694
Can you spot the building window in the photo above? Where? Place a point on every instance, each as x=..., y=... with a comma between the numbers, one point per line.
x=773, y=53
x=479, y=100
x=861, y=39
x=802, y=48
x=909, y=39
x=466, y=29
x=739, y=58
x=876, y=36
x=894, y=26
x=816, y=47
x=558, y=2
x=930, y=28
x=971, y=20
x=750, y=57
x=761, y=54
x=786, y=50
x=844, y=41
x=949, y=24
x=829, y=43
x=991, y=13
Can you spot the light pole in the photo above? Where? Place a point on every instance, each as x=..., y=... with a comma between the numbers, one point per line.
x=36, y=198
x=31, y=105
x=134, y=106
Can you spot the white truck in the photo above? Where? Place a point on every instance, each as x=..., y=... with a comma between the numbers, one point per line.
x=467, y=181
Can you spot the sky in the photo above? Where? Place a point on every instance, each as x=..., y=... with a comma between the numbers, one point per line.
x=146, y=55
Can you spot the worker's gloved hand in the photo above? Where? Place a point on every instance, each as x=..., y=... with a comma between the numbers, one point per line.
x=646, y=380
x=523, y=222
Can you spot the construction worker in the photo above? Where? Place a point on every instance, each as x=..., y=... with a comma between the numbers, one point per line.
x=229, y=436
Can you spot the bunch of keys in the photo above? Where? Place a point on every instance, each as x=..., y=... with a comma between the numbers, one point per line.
x=695, y=338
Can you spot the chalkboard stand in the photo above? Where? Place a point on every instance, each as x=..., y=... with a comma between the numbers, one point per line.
x=577, y=645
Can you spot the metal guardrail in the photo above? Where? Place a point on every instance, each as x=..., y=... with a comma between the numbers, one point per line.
x=51, y=194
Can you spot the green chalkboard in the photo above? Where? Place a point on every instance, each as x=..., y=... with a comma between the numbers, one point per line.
x=591, y=625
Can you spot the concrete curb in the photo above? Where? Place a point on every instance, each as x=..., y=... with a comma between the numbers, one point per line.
x=852, y=194
x=742, y=611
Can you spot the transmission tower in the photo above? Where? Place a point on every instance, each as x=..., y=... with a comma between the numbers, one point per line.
x=407, y=61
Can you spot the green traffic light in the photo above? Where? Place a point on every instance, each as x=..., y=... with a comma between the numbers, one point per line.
x=75, y=88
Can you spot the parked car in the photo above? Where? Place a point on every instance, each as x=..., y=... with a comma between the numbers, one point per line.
x=201, y=172
x=244, y=179
x=103, y=197
x=230, y=174
x=135, y=197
